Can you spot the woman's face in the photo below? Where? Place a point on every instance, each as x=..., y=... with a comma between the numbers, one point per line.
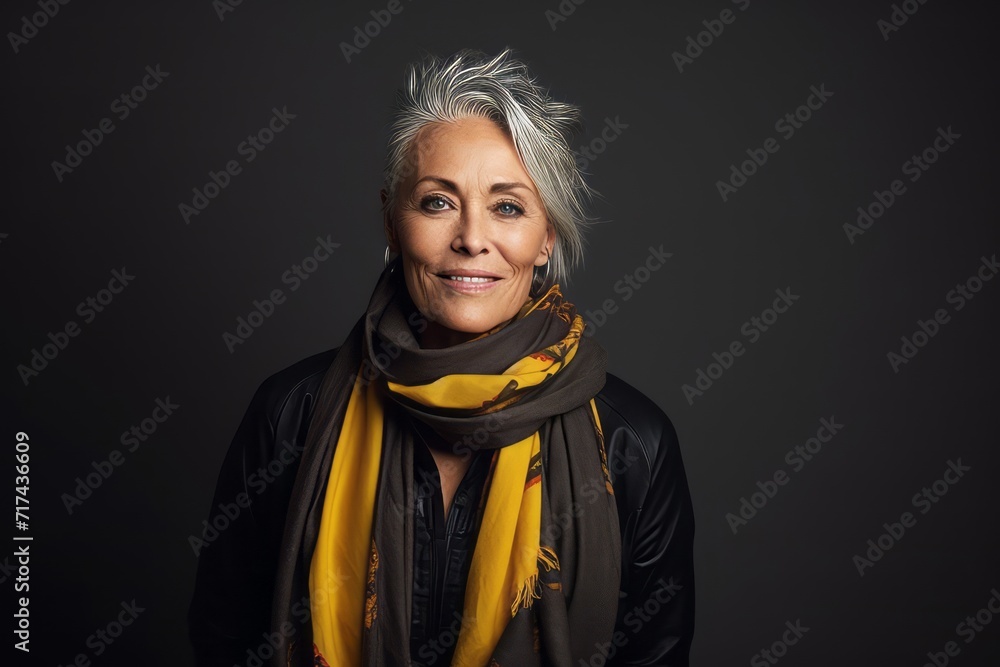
x=468, y=208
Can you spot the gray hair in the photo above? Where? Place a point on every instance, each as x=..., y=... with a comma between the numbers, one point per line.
x=501, y=89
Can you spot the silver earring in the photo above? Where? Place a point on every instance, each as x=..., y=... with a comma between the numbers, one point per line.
x=541, y=282
x=387, y=259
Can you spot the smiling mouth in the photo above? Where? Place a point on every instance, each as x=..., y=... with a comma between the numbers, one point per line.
x=470, y=285
x=469, y=279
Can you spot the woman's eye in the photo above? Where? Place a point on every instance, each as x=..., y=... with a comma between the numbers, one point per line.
x=508, y=208
x=433, y=203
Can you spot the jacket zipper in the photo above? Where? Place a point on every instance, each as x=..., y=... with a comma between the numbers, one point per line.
x=458, y=505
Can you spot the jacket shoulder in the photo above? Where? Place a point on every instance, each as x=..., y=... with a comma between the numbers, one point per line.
x=636, y=430
x=280, y=411
x=292, y=383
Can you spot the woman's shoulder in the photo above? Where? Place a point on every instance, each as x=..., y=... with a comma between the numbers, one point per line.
x=635, y=424
x=292, y=385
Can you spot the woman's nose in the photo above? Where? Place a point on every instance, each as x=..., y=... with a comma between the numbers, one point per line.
x=472, y=230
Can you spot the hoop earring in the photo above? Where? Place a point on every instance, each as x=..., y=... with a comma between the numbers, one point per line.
x=541, y=283
x=387, y=259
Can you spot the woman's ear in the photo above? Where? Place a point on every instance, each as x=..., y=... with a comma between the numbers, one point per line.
x=545, y=254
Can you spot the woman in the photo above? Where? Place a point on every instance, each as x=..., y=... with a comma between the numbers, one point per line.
x=461, y=482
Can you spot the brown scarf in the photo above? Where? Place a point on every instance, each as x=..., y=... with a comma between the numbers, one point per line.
x=550, y=374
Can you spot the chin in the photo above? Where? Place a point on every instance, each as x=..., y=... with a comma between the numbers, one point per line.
x=470, y=318
x=473, y=326
x=456, y=327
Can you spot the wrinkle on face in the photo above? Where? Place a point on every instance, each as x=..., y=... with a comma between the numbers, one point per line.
x=459, y=210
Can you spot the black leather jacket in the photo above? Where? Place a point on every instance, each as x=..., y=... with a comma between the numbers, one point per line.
x=238, y=543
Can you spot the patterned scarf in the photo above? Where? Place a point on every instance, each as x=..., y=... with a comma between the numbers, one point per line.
x=543, y=583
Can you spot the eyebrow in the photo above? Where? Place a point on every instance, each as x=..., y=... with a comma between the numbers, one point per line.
x=496, y=187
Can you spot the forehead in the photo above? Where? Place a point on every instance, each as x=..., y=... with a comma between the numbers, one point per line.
x=467, y=145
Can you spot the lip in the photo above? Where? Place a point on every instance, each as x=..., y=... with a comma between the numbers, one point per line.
x=471, y=273
x=463, y=287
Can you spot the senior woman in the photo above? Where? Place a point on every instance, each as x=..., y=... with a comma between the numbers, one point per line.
x=461, y=482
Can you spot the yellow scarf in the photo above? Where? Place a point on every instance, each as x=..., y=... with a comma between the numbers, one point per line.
x=504, y=570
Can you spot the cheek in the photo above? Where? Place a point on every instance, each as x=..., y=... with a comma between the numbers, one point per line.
x=419, y=249
x=411, y=243
x=422, y=240
x=522, y=252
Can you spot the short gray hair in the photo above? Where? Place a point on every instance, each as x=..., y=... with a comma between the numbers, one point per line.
x=501, y=89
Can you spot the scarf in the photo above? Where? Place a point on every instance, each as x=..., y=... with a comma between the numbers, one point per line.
x=543, y=583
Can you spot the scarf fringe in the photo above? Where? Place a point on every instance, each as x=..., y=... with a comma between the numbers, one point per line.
x=531, y=590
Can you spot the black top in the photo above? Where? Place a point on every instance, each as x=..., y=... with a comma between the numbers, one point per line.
x=442, y=554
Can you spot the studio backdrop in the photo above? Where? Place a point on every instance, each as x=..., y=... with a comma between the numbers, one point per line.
x=796, y=258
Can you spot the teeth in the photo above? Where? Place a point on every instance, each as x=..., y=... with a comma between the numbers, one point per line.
x=468, y=279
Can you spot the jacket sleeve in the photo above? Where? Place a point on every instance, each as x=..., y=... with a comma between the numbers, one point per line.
x=230, y=609
x=656, y=616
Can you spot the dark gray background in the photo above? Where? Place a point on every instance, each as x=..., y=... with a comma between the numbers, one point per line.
x=825, y=357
